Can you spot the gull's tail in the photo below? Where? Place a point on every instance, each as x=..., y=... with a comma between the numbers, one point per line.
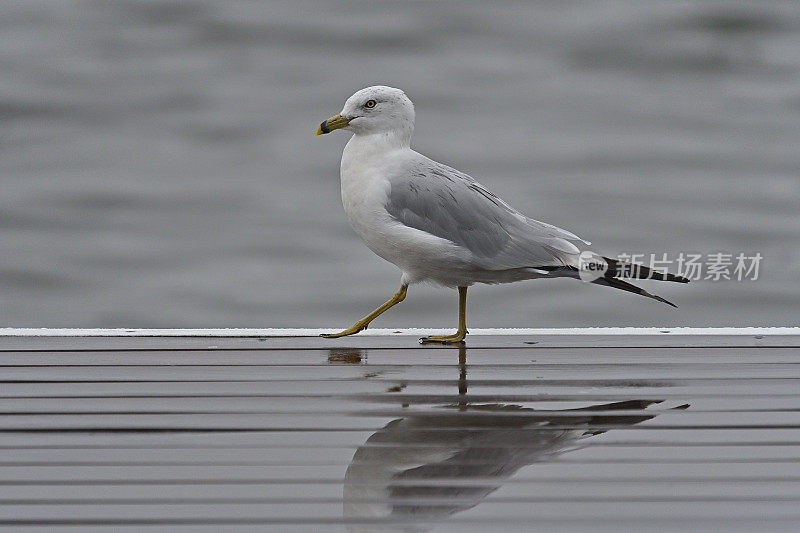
x=616, y=272
x=620, y=269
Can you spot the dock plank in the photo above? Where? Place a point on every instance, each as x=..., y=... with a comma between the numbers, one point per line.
x=659, y=430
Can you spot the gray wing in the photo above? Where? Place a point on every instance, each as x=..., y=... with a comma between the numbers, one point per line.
x=449, y=204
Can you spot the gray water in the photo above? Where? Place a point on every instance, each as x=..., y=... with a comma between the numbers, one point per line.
x=159, y=166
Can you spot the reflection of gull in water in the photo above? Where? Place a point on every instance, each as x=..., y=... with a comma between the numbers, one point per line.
x=427, y=466
x=414, y=467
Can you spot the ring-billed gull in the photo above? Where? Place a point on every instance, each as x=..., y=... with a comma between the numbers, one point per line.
x=440, y=225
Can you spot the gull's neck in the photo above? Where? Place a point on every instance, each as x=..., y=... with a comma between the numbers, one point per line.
x=375, y=145
x=384, y=140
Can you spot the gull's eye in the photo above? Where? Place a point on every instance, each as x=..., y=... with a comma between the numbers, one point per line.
x=370, y=104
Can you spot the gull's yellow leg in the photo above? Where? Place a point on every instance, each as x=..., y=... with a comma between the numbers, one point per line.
x=459, y=335
x=398, y=297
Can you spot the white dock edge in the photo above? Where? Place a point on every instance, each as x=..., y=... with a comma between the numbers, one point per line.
x=310, y=332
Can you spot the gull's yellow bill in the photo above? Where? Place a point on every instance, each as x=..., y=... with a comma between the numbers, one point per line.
x=333, y=123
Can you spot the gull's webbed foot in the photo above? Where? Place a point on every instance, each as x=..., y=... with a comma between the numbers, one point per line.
x=458, y=336
x=352, y=330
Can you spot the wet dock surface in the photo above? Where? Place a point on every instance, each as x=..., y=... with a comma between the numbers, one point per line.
x=516, y=432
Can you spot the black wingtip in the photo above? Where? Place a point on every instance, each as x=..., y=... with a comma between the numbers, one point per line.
x=659, y=298
x=621, y=269
x=666, y=276
x=625, y=286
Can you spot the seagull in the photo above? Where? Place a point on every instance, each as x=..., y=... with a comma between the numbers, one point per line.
x=439, y=225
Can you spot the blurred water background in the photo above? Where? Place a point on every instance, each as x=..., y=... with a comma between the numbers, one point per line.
x=159, y=166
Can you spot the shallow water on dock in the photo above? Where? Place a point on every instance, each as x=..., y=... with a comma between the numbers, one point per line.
x=551, y=433
x=159, y=165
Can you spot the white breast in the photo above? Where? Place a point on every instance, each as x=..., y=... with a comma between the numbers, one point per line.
x=365, y=188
